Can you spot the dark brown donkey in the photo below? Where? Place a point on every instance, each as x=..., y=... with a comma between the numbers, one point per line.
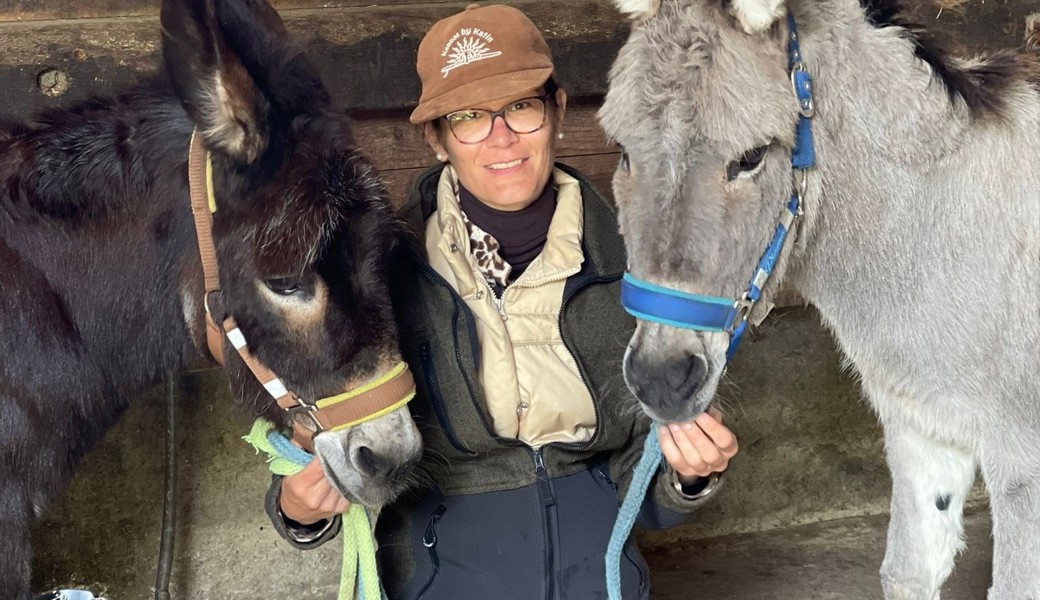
x=101, y=287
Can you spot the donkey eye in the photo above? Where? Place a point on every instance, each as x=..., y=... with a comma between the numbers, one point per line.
x=746, y=163
x=283, y=286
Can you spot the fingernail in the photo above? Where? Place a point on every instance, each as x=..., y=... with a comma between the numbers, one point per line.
x=674, y=427
x=687, y=426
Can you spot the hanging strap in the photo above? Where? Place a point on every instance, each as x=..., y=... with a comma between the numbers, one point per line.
x=203, y=205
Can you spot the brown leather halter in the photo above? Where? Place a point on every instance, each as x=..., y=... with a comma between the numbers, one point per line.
x=385, y=394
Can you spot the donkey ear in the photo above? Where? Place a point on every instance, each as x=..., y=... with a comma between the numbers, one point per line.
x=255, y=32
x=211, y=81
x=637, y=10
x=233, y=66
x=758, y=15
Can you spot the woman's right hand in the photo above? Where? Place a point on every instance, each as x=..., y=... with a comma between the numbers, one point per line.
x=307, y=497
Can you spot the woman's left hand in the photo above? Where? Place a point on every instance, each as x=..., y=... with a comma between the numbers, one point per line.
x=699, y=447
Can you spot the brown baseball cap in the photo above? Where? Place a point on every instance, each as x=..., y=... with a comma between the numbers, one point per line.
x=482, y=53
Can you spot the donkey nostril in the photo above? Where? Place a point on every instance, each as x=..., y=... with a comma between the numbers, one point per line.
x=685, y=376
x=367, y=462
x=697, y=371
x=376, y=466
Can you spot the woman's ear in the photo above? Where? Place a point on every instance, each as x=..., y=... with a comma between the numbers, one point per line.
x=433, y=140
x=561, y=107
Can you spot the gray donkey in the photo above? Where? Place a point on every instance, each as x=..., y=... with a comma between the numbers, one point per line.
x=919, y=243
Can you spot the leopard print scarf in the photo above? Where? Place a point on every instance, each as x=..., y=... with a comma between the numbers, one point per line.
x=485, y=249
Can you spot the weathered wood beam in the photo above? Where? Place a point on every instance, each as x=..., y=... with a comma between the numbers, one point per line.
x=976, y=25
x=366, y=55
x=39, y=10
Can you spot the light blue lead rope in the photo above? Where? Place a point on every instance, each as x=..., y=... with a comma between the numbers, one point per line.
x=644, y=474
x=289, y=451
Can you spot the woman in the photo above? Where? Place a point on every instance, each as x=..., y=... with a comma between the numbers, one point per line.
x=511, y=323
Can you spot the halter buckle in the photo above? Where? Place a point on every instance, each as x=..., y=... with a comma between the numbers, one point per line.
x=801, y=83
x=302, y=409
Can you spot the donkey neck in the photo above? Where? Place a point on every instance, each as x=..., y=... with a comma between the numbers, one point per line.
x=873, y=93
x=913, y=194
x=95, y=204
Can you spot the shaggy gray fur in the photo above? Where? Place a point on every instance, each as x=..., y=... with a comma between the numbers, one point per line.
x=920, y=247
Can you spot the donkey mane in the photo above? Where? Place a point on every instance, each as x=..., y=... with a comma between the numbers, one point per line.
x=982, y=84
x=92, y=160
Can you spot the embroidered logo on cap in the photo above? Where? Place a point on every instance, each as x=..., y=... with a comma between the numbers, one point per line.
x=467, y=45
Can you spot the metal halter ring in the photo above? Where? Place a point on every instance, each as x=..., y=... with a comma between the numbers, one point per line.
x=800, y=182
x=742, y=310
x=307, y=410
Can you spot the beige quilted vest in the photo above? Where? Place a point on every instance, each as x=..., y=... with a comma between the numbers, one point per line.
x=531, y=383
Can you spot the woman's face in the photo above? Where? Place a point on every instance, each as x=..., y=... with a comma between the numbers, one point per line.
x=507, y=170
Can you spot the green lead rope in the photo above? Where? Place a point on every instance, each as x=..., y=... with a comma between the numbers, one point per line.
x=359, y=571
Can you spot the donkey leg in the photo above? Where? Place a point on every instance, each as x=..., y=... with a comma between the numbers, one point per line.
x=930, y=482
x=1015, y=507
x=15, y=544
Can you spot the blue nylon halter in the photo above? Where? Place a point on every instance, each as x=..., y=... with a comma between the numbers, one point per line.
x=676, y=308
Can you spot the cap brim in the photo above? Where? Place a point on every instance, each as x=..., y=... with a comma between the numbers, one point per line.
x=481, y=90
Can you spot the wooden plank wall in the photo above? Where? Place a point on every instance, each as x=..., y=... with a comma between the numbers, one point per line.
x=56, y=52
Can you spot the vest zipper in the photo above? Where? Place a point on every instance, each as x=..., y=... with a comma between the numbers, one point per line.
x=426, y=358
x=545, y=494
x=437, y=280
x=494, y=296
x=581, y=367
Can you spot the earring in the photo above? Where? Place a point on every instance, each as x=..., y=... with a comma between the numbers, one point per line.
x=440, y=157
x=559, y=136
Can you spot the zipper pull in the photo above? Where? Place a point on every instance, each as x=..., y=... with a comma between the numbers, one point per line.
x=543, y=478
x=429, y=538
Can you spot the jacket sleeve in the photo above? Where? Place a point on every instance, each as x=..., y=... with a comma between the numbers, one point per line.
x=666, y=504
x=302, y=537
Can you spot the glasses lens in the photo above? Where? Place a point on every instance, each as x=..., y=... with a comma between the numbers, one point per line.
x=474, y=125
x=470, y=126
x=525, y=116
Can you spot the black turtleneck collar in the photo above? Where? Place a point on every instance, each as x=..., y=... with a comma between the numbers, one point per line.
x=520, y=233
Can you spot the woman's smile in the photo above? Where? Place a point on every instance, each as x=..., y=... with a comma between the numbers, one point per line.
x=504, y=168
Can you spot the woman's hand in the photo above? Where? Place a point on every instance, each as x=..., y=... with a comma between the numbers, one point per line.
x=699, y=447
x=307, y=497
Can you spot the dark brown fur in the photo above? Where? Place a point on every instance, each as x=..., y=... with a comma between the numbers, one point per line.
x=98, y=251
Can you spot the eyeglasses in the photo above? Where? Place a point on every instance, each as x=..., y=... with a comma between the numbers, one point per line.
x=474, y=125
